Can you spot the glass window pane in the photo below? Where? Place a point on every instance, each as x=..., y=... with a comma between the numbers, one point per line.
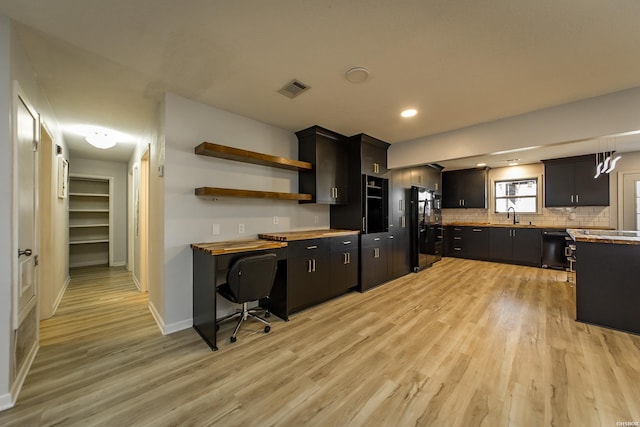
x=521, y=194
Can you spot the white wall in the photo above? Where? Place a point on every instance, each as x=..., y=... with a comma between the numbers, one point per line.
x=604, y=115
x=189, y=219
x=117, y=170
x=5, y=212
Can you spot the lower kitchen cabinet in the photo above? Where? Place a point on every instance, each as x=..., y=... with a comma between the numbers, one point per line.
x=374, y=260
x=468, y=242
x=515, y=245
x=400, y=255
x=344, y=264
x=308, y=273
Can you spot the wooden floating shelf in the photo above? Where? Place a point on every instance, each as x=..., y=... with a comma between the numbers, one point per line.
x=230, y=153
x=230, y=192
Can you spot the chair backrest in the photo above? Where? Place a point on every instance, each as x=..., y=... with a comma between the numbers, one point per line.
x=251, y=277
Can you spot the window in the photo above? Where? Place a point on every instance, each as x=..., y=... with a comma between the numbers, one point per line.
x=521, y=194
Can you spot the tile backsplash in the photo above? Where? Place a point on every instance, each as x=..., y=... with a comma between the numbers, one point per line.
x=592, y=216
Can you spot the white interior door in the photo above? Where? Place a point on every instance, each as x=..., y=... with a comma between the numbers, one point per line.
x=631, y=201
x=26, y=127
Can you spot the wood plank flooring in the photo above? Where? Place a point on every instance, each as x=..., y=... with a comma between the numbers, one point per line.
x=465, y=343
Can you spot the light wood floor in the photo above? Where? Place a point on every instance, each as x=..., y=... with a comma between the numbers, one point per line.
x=464, y=343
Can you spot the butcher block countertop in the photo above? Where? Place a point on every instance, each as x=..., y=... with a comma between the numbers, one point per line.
x=289, y=236
x=510, y=225
x=618, y=237
x=235, y=246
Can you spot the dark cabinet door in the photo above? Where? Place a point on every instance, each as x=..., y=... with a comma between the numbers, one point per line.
x=526, y=246
x=571, y=182
x=464, y=189
x=559, y=188
x=307, y=273
x=344, y=264
x=476, y=240
x=327, y=152
x=500, y=244
x=374, y=159
x=374, y=260
x=400, y=261
x=590, y=191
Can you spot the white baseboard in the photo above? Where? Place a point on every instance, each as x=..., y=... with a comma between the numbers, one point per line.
x=119, y=264
x=22, y=375
x=170, y=328
x=56, y=303
x=6, y=401
x=136, y=282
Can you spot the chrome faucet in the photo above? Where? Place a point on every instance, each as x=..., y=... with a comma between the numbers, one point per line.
x=514, y=215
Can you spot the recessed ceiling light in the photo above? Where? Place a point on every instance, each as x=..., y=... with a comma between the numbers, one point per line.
x=409, y=113
x=481, y=164
x=357, y=74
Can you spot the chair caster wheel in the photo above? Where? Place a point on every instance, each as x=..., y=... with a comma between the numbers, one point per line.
x=267, y=329
x=233, y=339
x=267, y=314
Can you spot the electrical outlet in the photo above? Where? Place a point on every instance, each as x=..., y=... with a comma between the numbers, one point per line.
x=215, y=229
x=275, y=220
x=240, y=228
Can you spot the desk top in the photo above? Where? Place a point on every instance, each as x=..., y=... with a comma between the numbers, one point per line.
x=289, y=236
x=236, y=246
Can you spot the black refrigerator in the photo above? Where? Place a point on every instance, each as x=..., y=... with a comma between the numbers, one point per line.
x=426, y=228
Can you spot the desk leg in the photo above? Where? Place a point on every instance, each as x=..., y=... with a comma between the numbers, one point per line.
x=204, y=297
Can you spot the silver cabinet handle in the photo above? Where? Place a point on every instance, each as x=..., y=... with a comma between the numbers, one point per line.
x=457, y=229
x=457, y=238
x=404, y=221
x=348, y=257
x=462, y=202
x=364, y=224
x=572, y=198
x=514, y=233
x=312, y=247
x=457, y=249
x=346, y=242
x=344, y=258
x=391, y=237
x=377, y=239
x=400, y=208
x=314, y=265
x=308, y=266
x=476, y=230
x=577, y=198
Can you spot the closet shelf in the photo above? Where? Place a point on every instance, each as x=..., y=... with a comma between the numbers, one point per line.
x=87, y=225
x=231, y=192
x=230, y=153
x=89, y=194
x=83, y=242
x=88, y=210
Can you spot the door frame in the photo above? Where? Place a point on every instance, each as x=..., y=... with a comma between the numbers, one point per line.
x=19, y=315
x=620, y=200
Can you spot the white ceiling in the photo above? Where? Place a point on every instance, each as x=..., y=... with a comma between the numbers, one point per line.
x=458, y=62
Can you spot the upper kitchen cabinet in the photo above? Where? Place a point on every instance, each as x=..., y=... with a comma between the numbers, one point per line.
x=373, y=155
x=427, y=176
x=327, y=152
x=570, y=182
x=466, y=188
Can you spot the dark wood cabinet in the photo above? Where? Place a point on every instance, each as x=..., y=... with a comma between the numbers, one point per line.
x=374, y=260
x=515, y=245
x=399, y=229
x=465, y=188
x=327, y=182
x=373, y=154
x=308, y=273
x=570, y=182
x=368, y=197
x=467, y=242
x=427, y=176
x=344, y=264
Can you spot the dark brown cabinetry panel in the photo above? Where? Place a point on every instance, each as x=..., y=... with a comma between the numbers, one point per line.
x=465, y=188
x=308, y=272
x=570, y=182
x=515, y=245
x=326, y=150
x=374, y=260
x=344, y=264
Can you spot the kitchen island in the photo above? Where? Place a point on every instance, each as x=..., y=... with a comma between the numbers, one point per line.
x=607, y=278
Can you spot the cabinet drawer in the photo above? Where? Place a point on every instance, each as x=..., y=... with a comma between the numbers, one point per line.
x=307, y=247
x=373, y=240
x=344, y=243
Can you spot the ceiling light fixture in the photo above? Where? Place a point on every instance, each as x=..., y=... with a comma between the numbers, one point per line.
x=357, y=74
x=101, y=140
x=481, y=164
x=409, y=113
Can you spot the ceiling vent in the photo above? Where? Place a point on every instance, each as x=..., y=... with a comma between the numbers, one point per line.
x=294, y=88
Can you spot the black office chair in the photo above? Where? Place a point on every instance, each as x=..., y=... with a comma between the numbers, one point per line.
x=250, y=278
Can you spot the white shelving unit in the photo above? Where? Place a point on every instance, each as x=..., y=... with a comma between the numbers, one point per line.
x=90, y=224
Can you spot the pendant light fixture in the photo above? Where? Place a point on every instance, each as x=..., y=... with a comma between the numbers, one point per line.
x=605, y=162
